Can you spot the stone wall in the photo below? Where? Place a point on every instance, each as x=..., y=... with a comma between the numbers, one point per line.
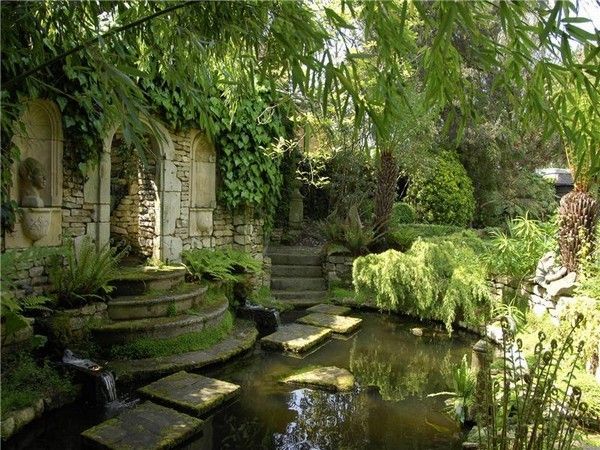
x=338, y=269
x=69, y=326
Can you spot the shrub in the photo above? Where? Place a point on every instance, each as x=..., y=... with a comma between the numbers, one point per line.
x=349, y=235
x=401, y=214
x=442, y=193
x=403, y=236
x=441, y=280
x=223, y=265
x=86, y=274
x=515, y=253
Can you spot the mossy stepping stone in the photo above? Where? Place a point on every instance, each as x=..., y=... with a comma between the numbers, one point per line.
x=331, y=378
x=148, y=426
x=339, y=324
x=189, y=392
x=330, y=309
x=295, y=338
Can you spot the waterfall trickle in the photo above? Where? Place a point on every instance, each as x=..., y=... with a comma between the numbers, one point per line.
x=106, y=382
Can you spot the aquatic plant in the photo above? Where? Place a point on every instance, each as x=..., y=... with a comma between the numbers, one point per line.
x=462, y=395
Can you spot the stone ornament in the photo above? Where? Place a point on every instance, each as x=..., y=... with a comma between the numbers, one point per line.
x=36, y=219
x=554, y=278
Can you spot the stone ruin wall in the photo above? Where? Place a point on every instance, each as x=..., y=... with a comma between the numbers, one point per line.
x=239, y=229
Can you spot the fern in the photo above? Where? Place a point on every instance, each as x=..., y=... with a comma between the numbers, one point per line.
x=224, y=265
x=84, y=273
x=440, y=279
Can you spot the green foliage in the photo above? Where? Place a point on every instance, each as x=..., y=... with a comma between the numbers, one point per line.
x=189, y=342
x=403, y=236
x=441, y=279
x=588, y=278
x=263, y=297
x=537, y=409
x=24, y=382
x=346, y=236
x=441, y=192
x=401, y=214
x=462, y=395
x=84, y=273
x=223, y=264
x=515, y=253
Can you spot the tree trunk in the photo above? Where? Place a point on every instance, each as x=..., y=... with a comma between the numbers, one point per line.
x=385, y=194
x=577, y=217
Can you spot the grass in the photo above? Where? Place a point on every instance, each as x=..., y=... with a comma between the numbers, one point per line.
x=189, y=342
x=264, y=298
x=24, y=382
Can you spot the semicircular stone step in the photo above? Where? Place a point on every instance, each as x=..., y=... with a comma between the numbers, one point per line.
x=156, y=304
x=124, y=331
x=138, y=280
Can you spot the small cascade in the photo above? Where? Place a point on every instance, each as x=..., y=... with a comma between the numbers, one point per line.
x=267, y=320
x=106, y=383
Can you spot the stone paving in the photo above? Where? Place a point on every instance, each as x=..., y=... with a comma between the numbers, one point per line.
x=338, y=324
x=148, y=426
x=331, y=378
x=189, y=392
x=295, y=337
x=334, y=310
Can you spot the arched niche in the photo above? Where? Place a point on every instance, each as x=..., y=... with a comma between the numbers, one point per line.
x=165, y=246
x=39, y=137
x=202, y=185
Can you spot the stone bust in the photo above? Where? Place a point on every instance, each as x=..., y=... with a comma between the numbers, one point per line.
x=32, y=180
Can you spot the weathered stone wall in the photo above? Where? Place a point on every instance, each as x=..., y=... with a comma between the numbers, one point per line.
x=338, y=269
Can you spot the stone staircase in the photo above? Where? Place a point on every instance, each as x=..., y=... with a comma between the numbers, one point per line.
x=156, y=303
x=297, y=275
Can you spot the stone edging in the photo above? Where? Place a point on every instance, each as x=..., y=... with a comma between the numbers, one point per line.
x=242, y=338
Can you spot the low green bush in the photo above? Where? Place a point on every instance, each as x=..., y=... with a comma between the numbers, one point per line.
x=402, y=213
x=403, y=236
x=441, y=192
x=189, y=342
x=441, y=279
x=24, y=382
x=222, y=264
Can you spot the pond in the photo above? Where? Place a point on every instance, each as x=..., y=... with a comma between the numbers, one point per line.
x=388, y=409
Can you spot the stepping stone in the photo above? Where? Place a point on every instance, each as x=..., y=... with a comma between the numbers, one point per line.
x=189, y=392
x=148, y=426
x=295, y=337
x=331, y=378
x=330, y=309
x=339, y=324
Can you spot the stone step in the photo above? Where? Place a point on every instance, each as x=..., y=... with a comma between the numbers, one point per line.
x=334, y=310
x=190, y=393
x=147, y=426
x=156, y=304
x=317, y=296
x=338, y=324
x=295, y=337
x=298, y=271
x=138, y=280
x=298, y=284
x=280, y=258
x=124, y=331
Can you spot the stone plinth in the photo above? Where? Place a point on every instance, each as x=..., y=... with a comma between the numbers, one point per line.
x=295, y=338
x=330, y=309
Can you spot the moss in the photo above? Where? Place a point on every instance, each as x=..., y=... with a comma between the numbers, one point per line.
x=263, y=297
x=146, y=273
x=25, y=381
x=189, y=342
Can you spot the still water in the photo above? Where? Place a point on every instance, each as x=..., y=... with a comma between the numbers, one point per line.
x=388, y=409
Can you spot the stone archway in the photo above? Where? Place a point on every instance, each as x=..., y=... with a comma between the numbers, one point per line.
x=167, y=191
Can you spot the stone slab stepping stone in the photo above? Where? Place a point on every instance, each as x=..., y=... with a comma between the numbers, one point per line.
x=295, y=337
x=333, y=310
x=339, y=324
x=331, y=378
x=189, y=392
x=148, y=426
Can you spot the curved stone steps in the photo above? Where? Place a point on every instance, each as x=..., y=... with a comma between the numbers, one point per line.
x=298, y=284
x=125, y=331
x=156, y=304
x=138, y=280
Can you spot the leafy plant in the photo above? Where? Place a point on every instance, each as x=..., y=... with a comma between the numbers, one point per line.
x=515, y=253
x=84, y=273
x=402, y=213
x=531, y=409
x=441, y=192
x=403, y=236
x=462, y=395
x=222, y=264
x=437, y=279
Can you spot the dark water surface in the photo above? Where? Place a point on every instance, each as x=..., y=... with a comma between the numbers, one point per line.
x=387, y=410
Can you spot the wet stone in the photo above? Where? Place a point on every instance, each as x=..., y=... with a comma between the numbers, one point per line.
x=339, y=324
x=295, y=337
x=189, y=392
x=330, y=378
x=148, y=426
x=330, y=309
